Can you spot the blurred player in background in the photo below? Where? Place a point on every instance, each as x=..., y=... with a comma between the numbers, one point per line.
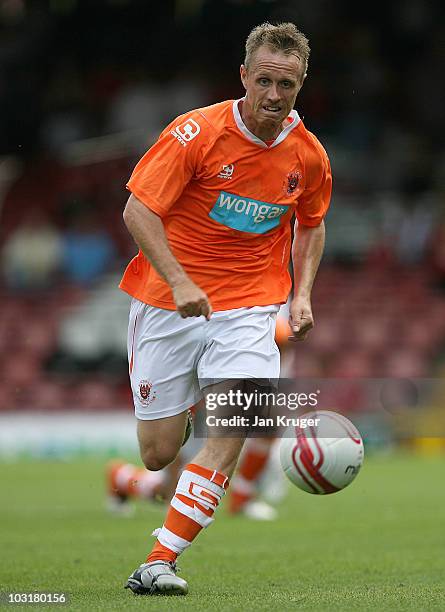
x=210, y=209
x=258, y=483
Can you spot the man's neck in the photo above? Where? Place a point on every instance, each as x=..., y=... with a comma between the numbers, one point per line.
x=266, y=133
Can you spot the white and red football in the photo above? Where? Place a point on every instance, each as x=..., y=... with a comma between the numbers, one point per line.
x=324, y=457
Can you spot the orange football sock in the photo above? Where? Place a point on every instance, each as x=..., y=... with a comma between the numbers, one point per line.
x=161, y=553
x=252, y=464
x=198, y=493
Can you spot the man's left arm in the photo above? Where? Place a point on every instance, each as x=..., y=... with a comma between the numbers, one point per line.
x=307, y=250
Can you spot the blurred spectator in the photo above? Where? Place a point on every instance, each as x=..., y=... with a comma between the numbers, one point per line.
x=138, y=108
x=437, y=252
x=88, y=250
x=66, y=117
x=32, y=253
x=186, y=91
x=416, y=220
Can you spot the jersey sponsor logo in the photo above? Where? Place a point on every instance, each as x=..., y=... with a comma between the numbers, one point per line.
x=227, y=171
x=186, y=131
x=245, y=214
x=145, y=392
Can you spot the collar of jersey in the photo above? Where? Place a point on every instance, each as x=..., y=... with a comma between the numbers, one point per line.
x=248, y=134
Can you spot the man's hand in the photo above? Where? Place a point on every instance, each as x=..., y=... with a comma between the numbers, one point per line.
x=300, y=317
x=190, y=300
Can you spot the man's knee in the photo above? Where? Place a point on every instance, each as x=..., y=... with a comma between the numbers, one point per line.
x=155, y=458
x=160, y=440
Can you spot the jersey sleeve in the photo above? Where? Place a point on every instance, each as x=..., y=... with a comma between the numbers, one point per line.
x=164, y=171
x=314, y=202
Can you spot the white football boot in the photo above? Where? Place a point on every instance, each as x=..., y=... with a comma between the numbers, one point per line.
x=157, y=578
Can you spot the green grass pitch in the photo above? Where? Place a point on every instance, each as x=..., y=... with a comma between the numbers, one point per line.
x=378, y=545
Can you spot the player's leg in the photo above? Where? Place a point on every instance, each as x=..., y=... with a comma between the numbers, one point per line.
x=125, y=480
x=255, y=461
x=242, y=346
x=243, y=487
x=159, y=442
x=199, y=491
x=258, y=479
x=242, y=350
x=220, y=454
x=163, y=350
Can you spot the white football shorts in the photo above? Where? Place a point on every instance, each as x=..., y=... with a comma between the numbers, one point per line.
x=168, y=356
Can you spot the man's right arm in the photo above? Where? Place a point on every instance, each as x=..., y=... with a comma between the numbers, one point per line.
x=148, y=232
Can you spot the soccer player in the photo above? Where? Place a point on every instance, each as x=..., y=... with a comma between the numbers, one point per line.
x=210, y=209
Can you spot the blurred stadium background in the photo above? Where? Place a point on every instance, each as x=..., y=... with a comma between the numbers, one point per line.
x=86, y=87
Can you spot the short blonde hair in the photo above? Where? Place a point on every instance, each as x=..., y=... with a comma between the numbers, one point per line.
x=282, y=37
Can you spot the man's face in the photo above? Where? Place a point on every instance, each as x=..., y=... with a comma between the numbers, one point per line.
x=272, y=83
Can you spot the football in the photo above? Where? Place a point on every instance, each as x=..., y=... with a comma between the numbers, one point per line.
x=324, y=454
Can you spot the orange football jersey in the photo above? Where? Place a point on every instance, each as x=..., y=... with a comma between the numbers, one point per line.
x=226, y=200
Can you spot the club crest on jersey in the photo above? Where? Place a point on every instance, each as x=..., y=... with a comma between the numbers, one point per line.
x=145, y=392
x=246, y=214
x=227, y=171
x=292, y=181
x=186, y=131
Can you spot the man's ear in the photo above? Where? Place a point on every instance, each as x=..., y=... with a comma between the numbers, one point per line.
x=243, y=74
